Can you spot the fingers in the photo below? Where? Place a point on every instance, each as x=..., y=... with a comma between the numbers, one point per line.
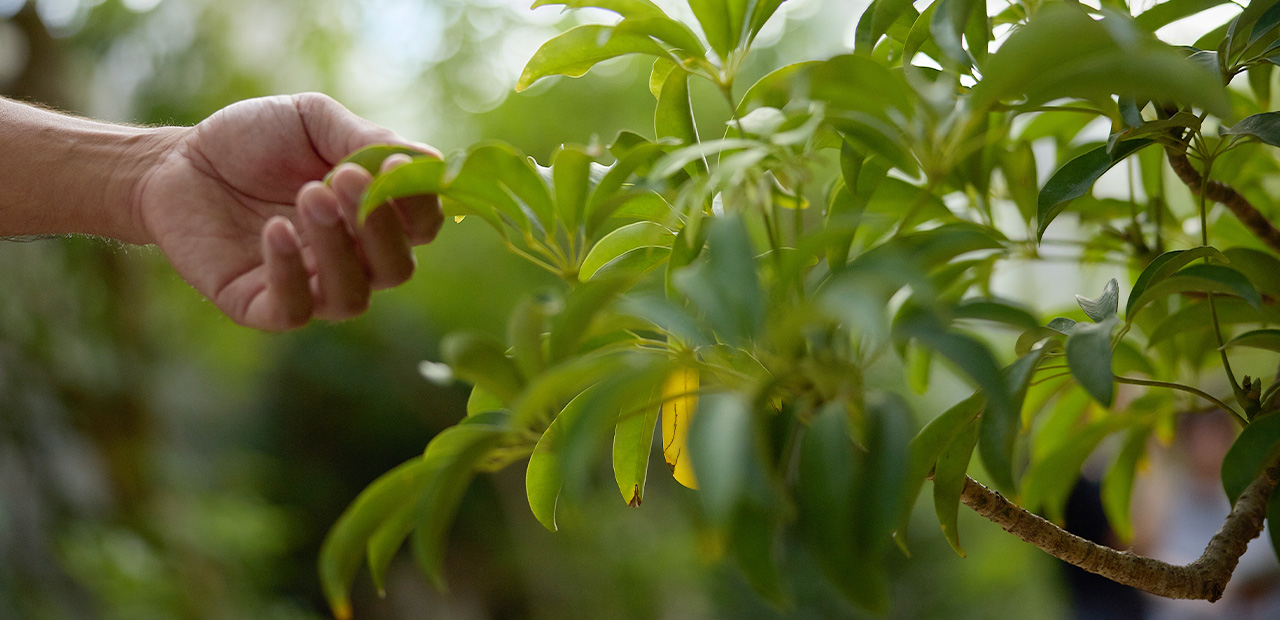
x=284, y=301
x=335, y=131
x=382, y=239
x=420, y=215
x=341, y=287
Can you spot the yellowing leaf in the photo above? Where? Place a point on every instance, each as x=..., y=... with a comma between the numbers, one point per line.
x=679, y=402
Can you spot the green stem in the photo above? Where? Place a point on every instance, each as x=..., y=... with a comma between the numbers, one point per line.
x=1184, y=388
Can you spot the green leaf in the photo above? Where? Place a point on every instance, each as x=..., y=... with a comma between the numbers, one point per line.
x=676, y=160
x=1267, y=339
x=371, y=157
x=875, y=22
x=1103, y=307
x=345, y=545
x=924, y=448
x=717, y=22
x=673, y=117
x=1076, y=177
x=1201, y=279
x=571, y=173
x=1164, y=266
x=778, y=88
x=1064, y=52
x=544, y=475
x=633, y=263
x=882, y=499
x=482, y=360
x=632, y=445
x=481, y=401
x=1165, y=13
x=997, y=310
x=1255, y=449
x=623, y=240
x=416, y=178
x=1265, y=127
x=497, y=171
x=1089, y=358
x=761, y=11
x=1199, y=316
x=451, y=458
x=1117, y=484
x=825, y=487
x=664, y=29
x=580, y=308
x=998, y=428
x=662, y=68
x=574, y=52
x=525, y=330
x=721, y=441
x=726, y=286
x=948, y=483
x=625, y=8
x=1050, y=478
x=1260, y=267
x=948, y=25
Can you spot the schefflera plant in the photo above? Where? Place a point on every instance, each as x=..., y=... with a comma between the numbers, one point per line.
x=748, y=297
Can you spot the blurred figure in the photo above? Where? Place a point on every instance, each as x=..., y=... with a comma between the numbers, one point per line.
x=1180, y=505
x=1094, y=597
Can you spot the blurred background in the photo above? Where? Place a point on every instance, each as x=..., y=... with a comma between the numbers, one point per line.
x=157, y=462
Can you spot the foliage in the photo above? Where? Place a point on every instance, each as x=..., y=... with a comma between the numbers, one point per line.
x=748, y=288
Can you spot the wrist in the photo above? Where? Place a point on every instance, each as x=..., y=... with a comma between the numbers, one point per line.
x=67, y=175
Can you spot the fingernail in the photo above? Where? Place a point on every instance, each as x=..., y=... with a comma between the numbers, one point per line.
x=323, y=211
x=280, y=237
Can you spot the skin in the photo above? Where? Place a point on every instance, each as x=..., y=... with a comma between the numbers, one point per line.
x=236, y=203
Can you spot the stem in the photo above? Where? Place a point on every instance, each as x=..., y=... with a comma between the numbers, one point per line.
x=1258, y=224
x=1205, y=578
x=1183, y=388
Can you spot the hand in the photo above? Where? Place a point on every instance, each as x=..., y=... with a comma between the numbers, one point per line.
x=237, y=205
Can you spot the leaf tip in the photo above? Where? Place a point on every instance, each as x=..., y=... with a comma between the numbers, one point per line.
x=341, y=610
x=635, y=500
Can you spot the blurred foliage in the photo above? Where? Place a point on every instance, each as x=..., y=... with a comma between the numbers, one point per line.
x=158, y=462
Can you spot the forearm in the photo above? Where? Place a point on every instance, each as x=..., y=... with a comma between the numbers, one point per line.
x=65, y=175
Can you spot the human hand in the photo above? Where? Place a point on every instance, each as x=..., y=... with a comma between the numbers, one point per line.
x=237, y=205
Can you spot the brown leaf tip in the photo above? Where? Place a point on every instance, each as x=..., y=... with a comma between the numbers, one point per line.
x=635, y=497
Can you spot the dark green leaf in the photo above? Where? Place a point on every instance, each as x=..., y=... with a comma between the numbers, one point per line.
x=875, y=22
x=345, y=545
x=721, y=443
x=581, y=307
x=450, y=458
x=1076, y=177
x=482, y=360
x=924, y=448
x=525, y=330
x=1164, y=266
x=1265, y=127
x=1255, y=449
x=1089, y=358
x=1198, y=316
x=1260, y=267
x=1103, y=307
x=574, y=52
x=676, y=160
x=998, y=428
x=949, y=22
x=1064, y=52
x=1268, y=339
x=1200, y=279
x=726, y=286
x=948, y=483
x=996, y=310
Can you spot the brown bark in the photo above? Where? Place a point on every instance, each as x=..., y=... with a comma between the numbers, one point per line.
x=1233, y=200
x=1205, y=578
